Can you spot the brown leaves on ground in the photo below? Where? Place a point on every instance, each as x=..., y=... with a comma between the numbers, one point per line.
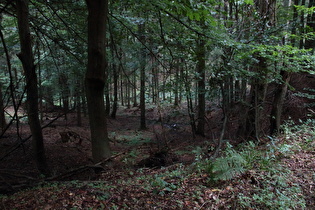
x=123, y=186
x=135, y=193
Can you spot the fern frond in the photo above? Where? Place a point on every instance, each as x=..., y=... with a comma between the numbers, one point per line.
x=226, y=168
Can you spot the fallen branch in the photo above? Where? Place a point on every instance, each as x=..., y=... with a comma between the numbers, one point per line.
x=15, y=147
x=9, y=187
x=15, y=174
x=84, y=168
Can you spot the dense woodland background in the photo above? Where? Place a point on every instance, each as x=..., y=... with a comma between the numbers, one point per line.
x=207, y=70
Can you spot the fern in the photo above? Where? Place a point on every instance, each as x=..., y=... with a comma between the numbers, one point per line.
x=235, y=162
x=226, y=168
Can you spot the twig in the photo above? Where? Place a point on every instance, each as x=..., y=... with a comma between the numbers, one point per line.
x=84, y=168
x=15, y=147
x=216, y=153
x=14, y=174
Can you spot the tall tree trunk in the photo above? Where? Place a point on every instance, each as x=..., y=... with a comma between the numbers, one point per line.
x=135, y=103
x=27, y=58
x=65, y=93
x=253, y=125
x=128, y=93
x=201, y=72
x=176, y=85
x=107, y=100
x=40, y=92
x=276, y=112
x=255, y=113
x=122, y=100
x=302, y=24
x=310, y=43
x=153, y=80
x=95, y=78
x=295, y=22
x=78, y=102
x=142, y=80
x=115, y=104
x=3, y=123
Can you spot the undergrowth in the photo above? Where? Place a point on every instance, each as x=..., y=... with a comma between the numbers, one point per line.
x=249, y=176
x=269, y=183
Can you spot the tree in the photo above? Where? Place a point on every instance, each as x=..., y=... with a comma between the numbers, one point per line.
x=227, y=45
x=310, y=24
x=277, y=106
x=3, y=122
x=95, y=78
x=27, y=58
x=142, y=57
x=201, y=73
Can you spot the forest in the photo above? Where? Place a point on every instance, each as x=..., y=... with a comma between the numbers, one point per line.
x=170, y=104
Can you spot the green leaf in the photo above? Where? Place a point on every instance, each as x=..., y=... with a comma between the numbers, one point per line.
x=250, y=2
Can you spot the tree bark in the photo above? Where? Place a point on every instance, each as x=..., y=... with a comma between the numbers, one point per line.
x=142, y=80
x=277, y=106
x=310, y=43
x=115, y=104
x=65, y=93
x=3, y=123
x=201, y=70
x=107, y=100
x=95, y=78
x=122, y=99
x=176, y=85
x=134, y=77
x=27, y=58
x=78, y=103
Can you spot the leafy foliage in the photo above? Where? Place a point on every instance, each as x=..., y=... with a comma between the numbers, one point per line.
x=229, y=166
x=237, y=38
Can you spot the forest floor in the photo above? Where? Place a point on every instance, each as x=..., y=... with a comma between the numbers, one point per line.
x=141, y=175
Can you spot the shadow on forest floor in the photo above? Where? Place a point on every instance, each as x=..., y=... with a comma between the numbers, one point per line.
x=141, y=175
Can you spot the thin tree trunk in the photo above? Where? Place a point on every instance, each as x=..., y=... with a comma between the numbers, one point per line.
x=3, y=123
x=79, y=118
x=107, y=100
x=122, y=91
x=40, y=86
x=142, y=80
x=201, y=70
x=78, y=103
x=12, y=89
x=237, y=87
x=302, y=24
x=84, y=104
x=253, y=124
x=135, y=103
x=95, y=78
x=294, y=21
x=176, y=86
x=115, y=104
x=27, y=58
x=277, y=106
x=310, y=43
x=65, y=93
x=128, y=94
x=189, y=103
